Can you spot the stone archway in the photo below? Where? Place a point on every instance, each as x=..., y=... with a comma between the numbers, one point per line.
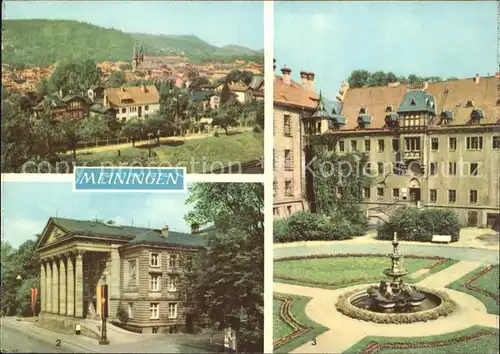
x=414, y=189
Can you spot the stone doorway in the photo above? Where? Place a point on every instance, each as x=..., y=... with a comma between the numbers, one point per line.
x=472, y=219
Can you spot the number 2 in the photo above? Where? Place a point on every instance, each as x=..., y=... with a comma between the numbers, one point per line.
x=58, y=343
x=313, y=342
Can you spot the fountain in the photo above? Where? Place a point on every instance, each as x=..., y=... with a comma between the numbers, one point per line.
x=384, y=302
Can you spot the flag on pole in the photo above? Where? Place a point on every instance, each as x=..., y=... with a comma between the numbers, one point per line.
x=34, y=293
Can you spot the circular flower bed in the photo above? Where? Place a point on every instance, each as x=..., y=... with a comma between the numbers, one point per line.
x=446, y=307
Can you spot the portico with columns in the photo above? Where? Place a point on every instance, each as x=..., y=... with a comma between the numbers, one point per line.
x=73, y=266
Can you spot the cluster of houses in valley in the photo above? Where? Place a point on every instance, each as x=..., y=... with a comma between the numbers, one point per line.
x=127, y=102
x=23, y=80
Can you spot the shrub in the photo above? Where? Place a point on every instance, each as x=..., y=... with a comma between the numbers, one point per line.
x=306, y=226
x=216, y=134
x=256, y=129
x=122, y=314
x=413, y=224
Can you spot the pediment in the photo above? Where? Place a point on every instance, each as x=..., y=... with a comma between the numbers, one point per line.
x=51, y=234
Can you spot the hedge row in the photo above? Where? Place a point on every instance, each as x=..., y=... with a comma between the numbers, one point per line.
x=306, y=226
x=414, y=224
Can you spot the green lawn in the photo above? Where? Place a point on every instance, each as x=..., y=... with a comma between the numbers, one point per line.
x=488, y=283
x=197, y=155
x=484, y=341
x=337, y=272
x=298, y=311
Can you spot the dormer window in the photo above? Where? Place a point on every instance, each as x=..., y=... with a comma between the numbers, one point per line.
x=446, y=117
x=364, y=121
x=389, y=108
x=470, y=103
x=476, y=115
x=412, y=102
x=391, y=119
x=336, y=122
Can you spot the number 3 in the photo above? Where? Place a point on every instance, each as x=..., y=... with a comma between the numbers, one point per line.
x=313, y=342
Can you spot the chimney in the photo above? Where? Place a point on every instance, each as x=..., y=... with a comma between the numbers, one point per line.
x=286, y=75
x=195, y=228
x=476, y=79
x=303, y=79
x=164, y=231
x=310, y=78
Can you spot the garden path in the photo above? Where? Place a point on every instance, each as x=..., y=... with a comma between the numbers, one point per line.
x=345, y=331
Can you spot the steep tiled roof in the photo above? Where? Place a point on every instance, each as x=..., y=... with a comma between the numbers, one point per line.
x=451, y=96
x=135, y=93
x=293, y=94
x=238, y=86
x=135, y=235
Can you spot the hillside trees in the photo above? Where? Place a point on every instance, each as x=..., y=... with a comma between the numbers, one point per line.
x=362, y=78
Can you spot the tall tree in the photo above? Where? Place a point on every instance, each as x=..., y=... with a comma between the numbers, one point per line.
x=228, y=284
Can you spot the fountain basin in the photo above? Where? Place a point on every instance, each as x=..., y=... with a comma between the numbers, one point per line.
x=359, y=304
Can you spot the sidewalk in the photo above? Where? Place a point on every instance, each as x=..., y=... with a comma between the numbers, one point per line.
x=78, y=344
x=469, y=238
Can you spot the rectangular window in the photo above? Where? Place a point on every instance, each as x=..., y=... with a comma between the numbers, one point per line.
x=130, y=310
x=473, y=196
x=395, y=145
x=452, y=144
x=496, y=142
x=146, y=108
x=340, y=192
x=154, y=283
x=132, y=272
x=154, y=309
x=287, y=125
x=452, y=196
x=380, y=168
x=434, y=168
x=172, y=310
x=341, y=146
x=368, y=145
x=354, y=145
x=276, y=211
x=288, y=159
x=395, y=193
x=433, y=196
x=173, y=261
x=452, y=168
x=366, y=191
x=474, y=169
x=381, y=145
x=368, y=168
x=434, y=144
x=474, y=143
x=380, y=193
x=288, y=188
x=154, y=260
x=124, y=110
x=172, y=283
x=275, y=186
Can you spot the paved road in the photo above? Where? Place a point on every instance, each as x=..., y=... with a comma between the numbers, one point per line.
x=458, y=253
x=15, y=340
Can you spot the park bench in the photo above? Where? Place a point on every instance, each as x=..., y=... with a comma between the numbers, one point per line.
x=441, y=238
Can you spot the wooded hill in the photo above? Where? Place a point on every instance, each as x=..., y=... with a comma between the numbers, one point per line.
x=44, y=42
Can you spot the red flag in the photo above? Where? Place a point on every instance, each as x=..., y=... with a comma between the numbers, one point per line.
x=34, y=292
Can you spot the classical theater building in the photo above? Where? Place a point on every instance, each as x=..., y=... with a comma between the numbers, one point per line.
x=142, y=268
x=430, y=145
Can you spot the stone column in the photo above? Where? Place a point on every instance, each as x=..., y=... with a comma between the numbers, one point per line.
x=42, y=286
x=48, y=287
x=113, y=281
x=70, y=285
x=55, y=286
x=62, y=286
x=79, y=285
